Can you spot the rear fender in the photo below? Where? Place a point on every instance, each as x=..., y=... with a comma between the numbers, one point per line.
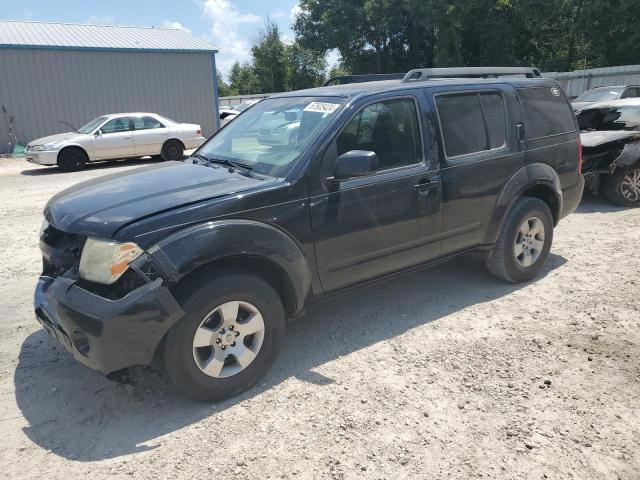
x=528, y=178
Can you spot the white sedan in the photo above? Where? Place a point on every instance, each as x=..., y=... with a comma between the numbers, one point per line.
x=118, y=135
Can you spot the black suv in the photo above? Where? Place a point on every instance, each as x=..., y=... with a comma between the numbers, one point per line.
x=198, y=264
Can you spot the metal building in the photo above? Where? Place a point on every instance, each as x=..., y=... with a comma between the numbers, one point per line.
x=52, y=72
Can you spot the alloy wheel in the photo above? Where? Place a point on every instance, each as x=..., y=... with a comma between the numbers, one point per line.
x=529, y=241
x=228, y=339
x=630, y=186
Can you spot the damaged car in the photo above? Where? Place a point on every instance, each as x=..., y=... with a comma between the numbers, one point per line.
x=611, y=148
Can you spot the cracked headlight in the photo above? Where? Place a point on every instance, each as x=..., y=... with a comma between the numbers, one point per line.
x=104, y=261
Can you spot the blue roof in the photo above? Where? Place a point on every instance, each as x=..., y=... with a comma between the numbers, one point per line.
x=47, y=35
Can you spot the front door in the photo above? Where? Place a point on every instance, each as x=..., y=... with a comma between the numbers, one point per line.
x=478, y=132
x=149, y=134
x=114, y=139
x=367, y=227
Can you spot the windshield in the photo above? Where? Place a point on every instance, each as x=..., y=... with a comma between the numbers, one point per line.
x=241, y=107
x=600, y=95
x=619, y=118
x=92, y=125
x=270, y=137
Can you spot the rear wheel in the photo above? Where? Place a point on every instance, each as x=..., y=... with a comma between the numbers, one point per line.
x=228, y=339
x=524, y=243
x=623, y=186
x=172, y=150
x=72, y=160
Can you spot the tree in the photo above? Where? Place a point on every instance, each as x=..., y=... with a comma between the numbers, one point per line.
x=243, y=79
x=383, y=36
x=224, y=89
x=269, y=59
x=304, y=68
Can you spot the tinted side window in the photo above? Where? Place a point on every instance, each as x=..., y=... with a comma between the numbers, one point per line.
x=146, y=122
x=116, y=125
x=462, y=124
x=630, y=93
x=390, y=129
x=495, y=118
x=545, y=113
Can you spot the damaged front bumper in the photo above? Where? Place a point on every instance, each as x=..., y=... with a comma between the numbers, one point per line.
x=104, y=334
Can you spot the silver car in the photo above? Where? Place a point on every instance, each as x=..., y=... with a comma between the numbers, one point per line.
x=118, y=135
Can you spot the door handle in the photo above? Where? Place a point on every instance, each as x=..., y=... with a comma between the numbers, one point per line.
x=127, y=138
x=425, y=184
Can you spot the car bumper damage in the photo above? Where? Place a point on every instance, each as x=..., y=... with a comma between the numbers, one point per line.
x=606, y=151
x=106, y=328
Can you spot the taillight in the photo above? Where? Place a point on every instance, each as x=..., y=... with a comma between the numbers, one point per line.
x=199, y=132
x=579, y=155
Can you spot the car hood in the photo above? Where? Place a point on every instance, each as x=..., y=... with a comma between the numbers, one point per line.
x=54, y=138
x=100, y=207
x=597, y=138
x=577, y=106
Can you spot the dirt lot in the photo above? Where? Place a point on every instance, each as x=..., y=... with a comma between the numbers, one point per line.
x=444, y=373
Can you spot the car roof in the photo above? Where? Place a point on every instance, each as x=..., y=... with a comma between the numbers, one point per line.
x=352, y=89
x=633, y=102
x=131, y=114
x=604, y=87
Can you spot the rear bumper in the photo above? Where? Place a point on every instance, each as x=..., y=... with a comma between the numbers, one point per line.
x=42, y=158
x=571, y=197
x=194, y=142
x=106, y=335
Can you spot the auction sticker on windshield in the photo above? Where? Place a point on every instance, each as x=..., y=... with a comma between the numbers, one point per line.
x=321, y=107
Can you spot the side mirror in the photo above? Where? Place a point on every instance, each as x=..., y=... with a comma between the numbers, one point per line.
x=98, y=133
x=355, y=163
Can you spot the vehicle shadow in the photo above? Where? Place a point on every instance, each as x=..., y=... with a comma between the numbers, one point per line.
x=597, y=204
x=80, y=415
x=127, y=162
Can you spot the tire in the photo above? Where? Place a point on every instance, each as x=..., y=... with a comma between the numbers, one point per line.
x=72, y=160
x=622, y=187
x=184, y=361
x=172, y=150
x=509, y=260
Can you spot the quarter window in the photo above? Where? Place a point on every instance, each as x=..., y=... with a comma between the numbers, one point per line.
x=145, y=123
x=390, y=129
x=545, y=113
x=472, y=122
x=116, y=125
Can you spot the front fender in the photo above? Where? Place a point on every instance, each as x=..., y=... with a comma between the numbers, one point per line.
x=526, y=178
x=186, y=250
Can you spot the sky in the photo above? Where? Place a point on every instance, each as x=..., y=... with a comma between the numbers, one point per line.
x=230, y=25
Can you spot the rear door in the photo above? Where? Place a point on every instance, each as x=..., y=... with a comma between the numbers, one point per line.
x=149, y=133
x=114, y=139
x=479, y=154
x=366, y=227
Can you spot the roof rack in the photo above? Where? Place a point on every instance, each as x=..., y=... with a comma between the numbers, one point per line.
x=422, y=74
x=372, y=77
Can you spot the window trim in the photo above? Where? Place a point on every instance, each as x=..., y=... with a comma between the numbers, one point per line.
x=460, y=159
x=119, y=131
x=382, y=175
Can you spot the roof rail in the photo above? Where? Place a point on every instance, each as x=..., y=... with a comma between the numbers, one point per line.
x=372, y=77
x=422, y=74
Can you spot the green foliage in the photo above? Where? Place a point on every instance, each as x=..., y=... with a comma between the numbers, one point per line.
x=224, y=89
x=379, y=36
x=243, y=79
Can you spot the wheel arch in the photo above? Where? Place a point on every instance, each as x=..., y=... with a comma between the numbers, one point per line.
x=537, y=180
x=173, y=139
x=74, y=146
x=203, y=248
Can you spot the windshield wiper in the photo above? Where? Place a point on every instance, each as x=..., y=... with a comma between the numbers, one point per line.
x=229, y=163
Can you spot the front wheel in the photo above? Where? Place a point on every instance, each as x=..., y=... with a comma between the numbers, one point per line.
x=524, y=243
x=623, y=186
x=72, y=160
x=228, y=339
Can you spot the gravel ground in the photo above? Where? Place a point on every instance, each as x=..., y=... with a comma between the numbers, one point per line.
x=443, y=373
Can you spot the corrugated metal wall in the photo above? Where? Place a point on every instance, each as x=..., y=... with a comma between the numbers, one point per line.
x=41, y=87
x=578, y=81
